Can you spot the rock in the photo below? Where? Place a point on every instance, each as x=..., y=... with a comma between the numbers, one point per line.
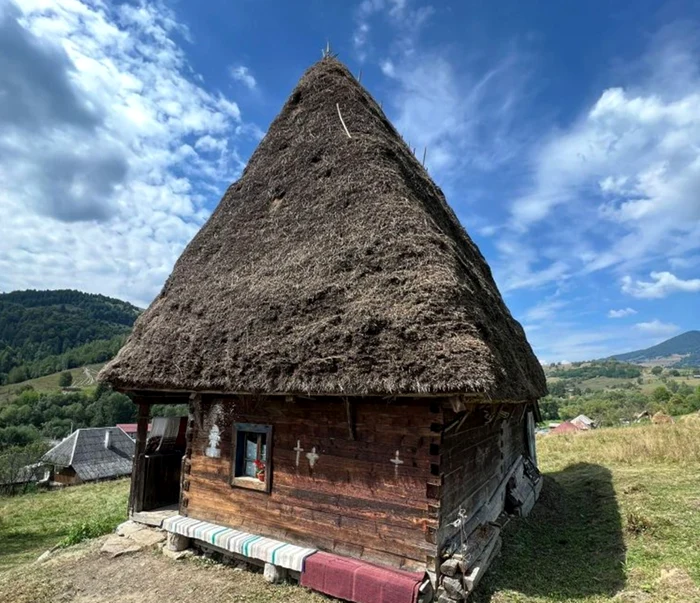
x=44, y=556
x=128, y=528
x=177, y=555
x=454, y=588
x=442, y=596
x=115, y=546
x=274, y=573
x=450, y=567
x=176, y=542
x=148, y=537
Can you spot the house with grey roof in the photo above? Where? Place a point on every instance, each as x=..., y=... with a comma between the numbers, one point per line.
x=91, y=454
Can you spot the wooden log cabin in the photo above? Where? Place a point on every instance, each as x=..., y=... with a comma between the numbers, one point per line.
x=356, y=384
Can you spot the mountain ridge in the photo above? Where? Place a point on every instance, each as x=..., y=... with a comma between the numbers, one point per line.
x=679, y=351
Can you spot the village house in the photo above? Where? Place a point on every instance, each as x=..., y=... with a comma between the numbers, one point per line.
x=90, y=454
x=583, y=422
x=362, y=403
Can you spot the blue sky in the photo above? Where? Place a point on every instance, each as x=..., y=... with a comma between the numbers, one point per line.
x=565, y=135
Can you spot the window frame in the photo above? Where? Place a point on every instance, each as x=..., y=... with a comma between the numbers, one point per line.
x=238, y=460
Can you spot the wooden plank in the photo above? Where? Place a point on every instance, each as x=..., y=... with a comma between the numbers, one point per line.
x=138, y=471
x=353, y=499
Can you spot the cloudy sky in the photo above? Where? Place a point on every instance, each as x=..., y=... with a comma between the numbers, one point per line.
x=565, y=135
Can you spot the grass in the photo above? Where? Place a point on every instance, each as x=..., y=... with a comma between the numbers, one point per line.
x=33, y=523
x=617, y=522
x=49, y=383
x=647, y=444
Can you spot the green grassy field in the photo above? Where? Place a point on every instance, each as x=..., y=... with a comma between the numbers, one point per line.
x=32, y=523
x=49, y=383
x=618, y=521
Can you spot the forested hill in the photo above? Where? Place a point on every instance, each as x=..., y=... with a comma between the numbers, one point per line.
x=682, y=350
x=42, y=332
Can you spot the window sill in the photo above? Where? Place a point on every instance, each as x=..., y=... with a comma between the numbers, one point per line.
x=250, y=483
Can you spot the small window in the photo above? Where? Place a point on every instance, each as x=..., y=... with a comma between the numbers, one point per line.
x=251, y=466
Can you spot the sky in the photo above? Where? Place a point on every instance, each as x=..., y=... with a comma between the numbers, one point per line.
x=565, y=135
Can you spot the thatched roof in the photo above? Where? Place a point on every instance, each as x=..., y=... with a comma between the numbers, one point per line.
x=333, y=266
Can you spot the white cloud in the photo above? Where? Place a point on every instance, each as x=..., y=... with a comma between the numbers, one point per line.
x=399, y=13
x=100, y=185
x=622, y=313
x=242, y=74
x=657, y=328
x=661, y=285
x=545, y=310
x=617, y=189
x=520, y=266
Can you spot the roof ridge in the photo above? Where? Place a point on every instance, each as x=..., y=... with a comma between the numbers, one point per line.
x=75, y=444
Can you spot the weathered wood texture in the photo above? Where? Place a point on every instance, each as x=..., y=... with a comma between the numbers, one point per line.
x=477, y=450
x=354, y=500
x=161, y=480
x=138, y=472
x=66, y=476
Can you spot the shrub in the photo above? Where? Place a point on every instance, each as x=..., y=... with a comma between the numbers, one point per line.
x=92, y=528
x=638, y=524
x=65, y=379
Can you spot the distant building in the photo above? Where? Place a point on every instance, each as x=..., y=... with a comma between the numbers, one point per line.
x=91, y=454
x=130, y=429
x=566, y=427
x=583, y=422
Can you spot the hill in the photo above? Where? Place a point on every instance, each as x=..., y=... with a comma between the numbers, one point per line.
x=611, y=392
x=42, y=332
x=682, y=350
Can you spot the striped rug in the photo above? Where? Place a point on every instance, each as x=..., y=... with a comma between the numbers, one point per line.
x=269, y=550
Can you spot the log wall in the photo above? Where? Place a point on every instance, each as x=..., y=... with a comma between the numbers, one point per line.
x=354, y=501
x=477, y=451
x=66, y=476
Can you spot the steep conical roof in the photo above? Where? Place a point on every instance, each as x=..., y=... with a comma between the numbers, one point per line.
x=334, y=265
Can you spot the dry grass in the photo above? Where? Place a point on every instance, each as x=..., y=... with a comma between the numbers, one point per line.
x=649, y=444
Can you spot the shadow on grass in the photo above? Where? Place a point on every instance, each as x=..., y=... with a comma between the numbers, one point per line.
x=571, y=546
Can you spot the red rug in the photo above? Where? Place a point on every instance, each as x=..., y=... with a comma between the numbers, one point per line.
x=359, y=581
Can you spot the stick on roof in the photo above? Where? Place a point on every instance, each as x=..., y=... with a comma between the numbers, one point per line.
x=333, y=266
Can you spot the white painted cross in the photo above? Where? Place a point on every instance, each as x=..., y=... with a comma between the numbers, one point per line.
x=312, y=456
x=298, y=450
x=397, y=461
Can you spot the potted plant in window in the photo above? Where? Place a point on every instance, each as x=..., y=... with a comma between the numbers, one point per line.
x=259, y=469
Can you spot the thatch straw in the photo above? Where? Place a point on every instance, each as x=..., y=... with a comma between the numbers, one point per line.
x=334, y=265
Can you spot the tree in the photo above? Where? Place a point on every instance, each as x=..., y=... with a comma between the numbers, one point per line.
x=661, y=394
x=657, y=370
x=549, y=408
x=675, y=373
x=65, y=379
x=678, y=405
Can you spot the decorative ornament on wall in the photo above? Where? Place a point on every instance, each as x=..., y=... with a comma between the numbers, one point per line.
x=397, y=461
x=213, y=450
x=313, y=457
x=298, y=449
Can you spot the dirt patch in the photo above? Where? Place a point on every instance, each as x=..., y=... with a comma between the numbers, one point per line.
x=678, y=584
x=82, y=575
